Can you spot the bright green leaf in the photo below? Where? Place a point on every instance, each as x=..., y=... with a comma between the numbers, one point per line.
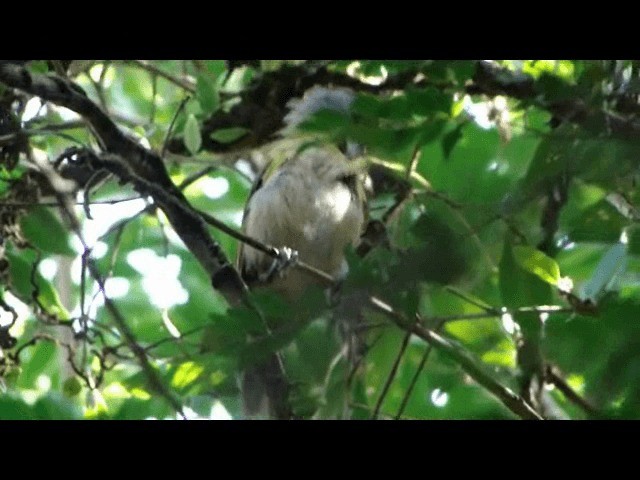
x=533, y=260
x=192, y=135
x=229, y=135
x=519, y=287
x=186, y=374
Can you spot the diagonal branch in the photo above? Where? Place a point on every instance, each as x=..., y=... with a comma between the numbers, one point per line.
x=154, y=380
x=509, y=399
x=391, y=376
x=554, y=377
x=491, y=79
x=145, y=164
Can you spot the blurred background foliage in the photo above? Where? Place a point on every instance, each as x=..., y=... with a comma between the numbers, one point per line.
x=505, y=199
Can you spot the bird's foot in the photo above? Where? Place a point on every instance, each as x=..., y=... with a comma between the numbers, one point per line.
x=287, y=258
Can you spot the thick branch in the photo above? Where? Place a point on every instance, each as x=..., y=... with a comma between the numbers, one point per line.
x=263, y=104
x=491, y=79
x=143, y=163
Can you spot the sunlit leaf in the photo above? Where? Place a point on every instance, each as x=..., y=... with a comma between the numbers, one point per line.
x=534, y=261
x=192, y=136
x=186, y=374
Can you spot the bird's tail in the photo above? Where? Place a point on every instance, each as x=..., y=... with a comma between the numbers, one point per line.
x=265, y=391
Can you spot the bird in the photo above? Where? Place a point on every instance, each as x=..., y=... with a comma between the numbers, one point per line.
x=309, y=202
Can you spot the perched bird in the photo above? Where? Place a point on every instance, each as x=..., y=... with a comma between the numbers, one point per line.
x=309, y=201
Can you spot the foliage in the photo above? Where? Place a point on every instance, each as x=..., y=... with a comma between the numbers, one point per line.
x=505, y=193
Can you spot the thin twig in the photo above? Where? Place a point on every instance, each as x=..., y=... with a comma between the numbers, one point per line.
x=414, y=381
x=70, y=125
x=361, y=358
x=97, y=86
x=560, y=383
x=54, y=204
x=149, y=67
x=413, y=164
x=363, y=406
x=171, y=125
x=391, y=376
x=395, y=167
x=162, y=341
x=472, y=301
x=509, y=399
x=196, y=176
x=154, y=380
x=465, y=316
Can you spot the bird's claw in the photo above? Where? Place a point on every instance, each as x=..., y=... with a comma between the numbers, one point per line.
x=287, y=258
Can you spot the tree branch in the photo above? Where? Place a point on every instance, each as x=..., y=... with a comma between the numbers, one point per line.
x=143, y=164
x=553, y=377
x=151, y=68
x=392, y=375
x=491, y=79
x=508, y=398
x=154, y=380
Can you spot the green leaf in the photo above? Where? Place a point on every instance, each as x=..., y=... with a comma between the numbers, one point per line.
x=136, y=409
x=39, y=66
x=35, y=361
x=186, y=374
x=20, y=268
x=12, y=408
x=599, y=223
x=534, y=261
x=366, y=104
x=45, y=232
x=56, y=407
x=519, y=287
x=207, y=93
x=538, y=119
x=329, y=121
x=215, y=67
x=229, y=135
x=192, y=135
x=554, y=88
x=450, y=139
x=602, y=351
x=430, y=130
x=428, y=101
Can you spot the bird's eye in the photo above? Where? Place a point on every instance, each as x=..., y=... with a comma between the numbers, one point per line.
x=350, y=180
